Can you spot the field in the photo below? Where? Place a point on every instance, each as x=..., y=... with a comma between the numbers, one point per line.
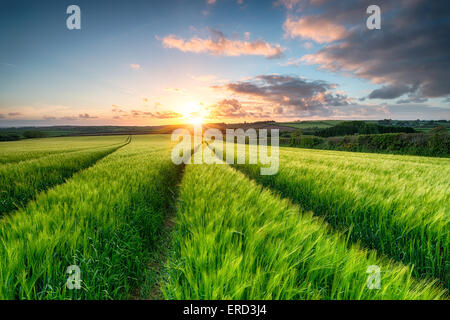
x=311, y=124
x=418, y=125
x=398, y=205
x=138, y=226
x=16, y=151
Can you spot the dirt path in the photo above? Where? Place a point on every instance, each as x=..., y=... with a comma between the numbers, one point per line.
x=156, y=268
x=157, y=262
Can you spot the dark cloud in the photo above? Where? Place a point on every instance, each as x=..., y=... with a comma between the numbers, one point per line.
x=285, y=96
x=412, y=49
x=2, y=116
x=390, y=92
x=14, y=114
x=291, y=93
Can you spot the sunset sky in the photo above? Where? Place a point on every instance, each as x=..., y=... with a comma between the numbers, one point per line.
x=160, y=62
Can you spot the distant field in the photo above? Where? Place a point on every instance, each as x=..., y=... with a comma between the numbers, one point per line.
x=15, y=151
x=310, y=124
x=421, y=126
x=309, y=232
x=28, y=173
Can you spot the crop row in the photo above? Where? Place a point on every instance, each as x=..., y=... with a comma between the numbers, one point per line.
x=103, y=221
x=21, y=182
x=236, y=240
x=398, y=205
x=16, y=151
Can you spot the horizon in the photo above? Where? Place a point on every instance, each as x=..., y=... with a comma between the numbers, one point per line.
x=215, y=123
x=145, y=63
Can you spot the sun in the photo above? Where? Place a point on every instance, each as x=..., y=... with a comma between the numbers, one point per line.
x=189, y=108
x=196, y=121
x=192, y=113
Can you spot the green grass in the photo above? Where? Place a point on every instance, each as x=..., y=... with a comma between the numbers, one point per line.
x=398, y=205
x=236, y=240
x=104, y=219
x=15, y=151
x=21, y=182
x=237, y=234
x=311, y=124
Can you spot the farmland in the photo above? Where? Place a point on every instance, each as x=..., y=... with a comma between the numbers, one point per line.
x=309, y=232
x=104, y=219
x=22, y=181
x=16, y=151
x=398, y=205
x=237, y=241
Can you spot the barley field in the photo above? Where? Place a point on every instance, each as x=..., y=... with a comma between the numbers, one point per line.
x=135, y=224
x=398, y=205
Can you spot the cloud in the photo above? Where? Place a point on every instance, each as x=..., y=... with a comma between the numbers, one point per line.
x=290, y=91
x=14, y=114
x=167, y=115
x=308, y=45
x=86, y=116
x=292, y=62
x=414, y=111
x=266, y=95
x=390, y=92
x=218, y=44
x=116, y=108
x=412, y=49
x=48, y=118
x=69, y=118
x=290, y=4
x=2, y=116
x=135, y=66
x=210, y=2
x=227, y=108
x=315, y=28
x=156, y=115
x=175, y=90
x=412, y=99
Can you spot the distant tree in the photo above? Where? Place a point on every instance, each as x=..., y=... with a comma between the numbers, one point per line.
x=34, y=134
x=9, y=137
x=360, y=127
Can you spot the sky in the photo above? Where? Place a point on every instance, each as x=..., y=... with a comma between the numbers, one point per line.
x=166, y=62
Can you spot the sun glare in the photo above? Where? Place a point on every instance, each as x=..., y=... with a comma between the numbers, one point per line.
x=196, y=121
x=192, y=113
